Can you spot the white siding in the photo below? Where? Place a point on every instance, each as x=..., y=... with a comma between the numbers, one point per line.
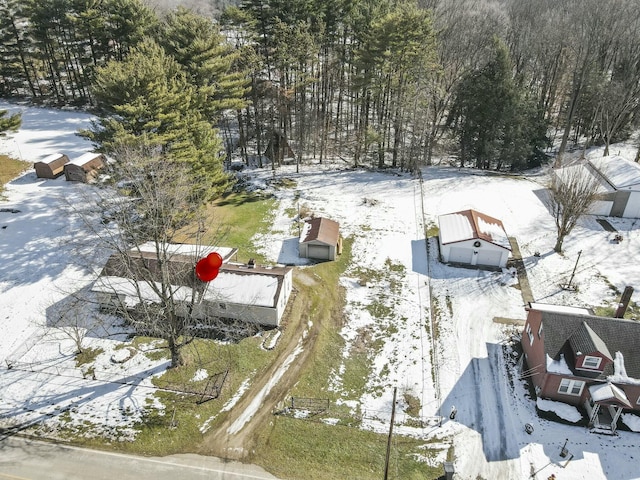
x=632, y=210
x=601, y=207
x=460, y=255
x=489, y=257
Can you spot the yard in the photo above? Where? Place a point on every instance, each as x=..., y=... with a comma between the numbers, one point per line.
x=387, y=315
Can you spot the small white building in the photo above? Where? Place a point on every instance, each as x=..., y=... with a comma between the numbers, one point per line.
x=617, y=184
x=320, y=239
x=620, y=186
x=473, y=238
x=247, y=292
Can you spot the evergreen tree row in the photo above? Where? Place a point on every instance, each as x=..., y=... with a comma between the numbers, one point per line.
x=375, y=82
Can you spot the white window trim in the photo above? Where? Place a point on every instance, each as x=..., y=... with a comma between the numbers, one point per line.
x=569, y=384
x=540, y=331
x=591, y=367
x=638, y=402
x=530, y=333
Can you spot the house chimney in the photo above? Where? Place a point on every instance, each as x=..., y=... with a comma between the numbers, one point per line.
x=624, y=302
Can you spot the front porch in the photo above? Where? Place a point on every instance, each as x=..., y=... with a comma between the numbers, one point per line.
x=604, y=407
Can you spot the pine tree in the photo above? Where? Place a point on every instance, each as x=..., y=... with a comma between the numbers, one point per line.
x=211, y=65
x=10, y=123
x=496, y=125
x=146, y=100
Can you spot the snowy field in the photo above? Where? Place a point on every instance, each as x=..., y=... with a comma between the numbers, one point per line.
x=385, y=215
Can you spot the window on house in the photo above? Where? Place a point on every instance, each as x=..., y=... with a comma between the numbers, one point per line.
x=571, y=387
x=530, y=333
x=540, y=331
x=638, y=402
x=591, y=362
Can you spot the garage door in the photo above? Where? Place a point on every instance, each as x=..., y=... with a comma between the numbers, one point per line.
x=460, y=255
x=489, y=257
x=318, y=251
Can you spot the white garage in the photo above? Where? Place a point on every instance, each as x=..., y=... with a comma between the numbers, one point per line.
x=473, y=238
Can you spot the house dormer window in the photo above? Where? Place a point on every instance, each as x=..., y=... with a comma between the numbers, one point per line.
x=591, y=362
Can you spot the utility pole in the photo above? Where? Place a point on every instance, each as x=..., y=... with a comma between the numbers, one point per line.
x=393, y=416
x=569, y=285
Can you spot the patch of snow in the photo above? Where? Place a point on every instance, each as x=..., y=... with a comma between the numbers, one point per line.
x=257, y=401
x=558, y=366
x=632, y=421
x=562, y=410
x=199, y=375
x=620, y=371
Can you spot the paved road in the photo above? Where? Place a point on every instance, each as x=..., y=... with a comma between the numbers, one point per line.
x=24, y=459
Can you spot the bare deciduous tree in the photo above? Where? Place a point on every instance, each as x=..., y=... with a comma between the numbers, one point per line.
x=572, y=192
x=150, y=209
x=72, y=318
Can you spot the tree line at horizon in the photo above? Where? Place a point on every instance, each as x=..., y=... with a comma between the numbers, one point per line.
x=377, y=82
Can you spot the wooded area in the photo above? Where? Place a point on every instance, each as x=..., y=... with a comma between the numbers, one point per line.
x=380, y=83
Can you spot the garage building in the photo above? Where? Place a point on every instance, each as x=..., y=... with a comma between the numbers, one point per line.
x=472, y=238
x=320, y=239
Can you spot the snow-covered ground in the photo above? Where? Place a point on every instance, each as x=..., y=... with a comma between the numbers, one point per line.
x=385, y=214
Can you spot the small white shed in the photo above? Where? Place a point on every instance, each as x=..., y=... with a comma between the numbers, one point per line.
x=622, y=180
x=320, y=239
x=472, y=238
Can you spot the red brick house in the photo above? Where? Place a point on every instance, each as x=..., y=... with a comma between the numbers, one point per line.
x=584, y=360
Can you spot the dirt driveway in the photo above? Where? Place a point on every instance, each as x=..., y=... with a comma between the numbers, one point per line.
x=227, y=441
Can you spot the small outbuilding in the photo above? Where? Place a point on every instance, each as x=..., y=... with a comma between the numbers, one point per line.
x=469, y=237
x=51, y=166
x=618, y=184
x=84, y=168
x=320, y=239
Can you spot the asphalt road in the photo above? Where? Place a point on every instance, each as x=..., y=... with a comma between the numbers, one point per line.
x=26, y=459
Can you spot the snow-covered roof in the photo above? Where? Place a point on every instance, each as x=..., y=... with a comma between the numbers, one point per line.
x=545, y=307
x=619, y=172
x=192, y=250
x=470, y=225
x=608, y=393
x=228, y=287
x=236, y=283
x=85, y=158
x=53, y=157
x=581, y=171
